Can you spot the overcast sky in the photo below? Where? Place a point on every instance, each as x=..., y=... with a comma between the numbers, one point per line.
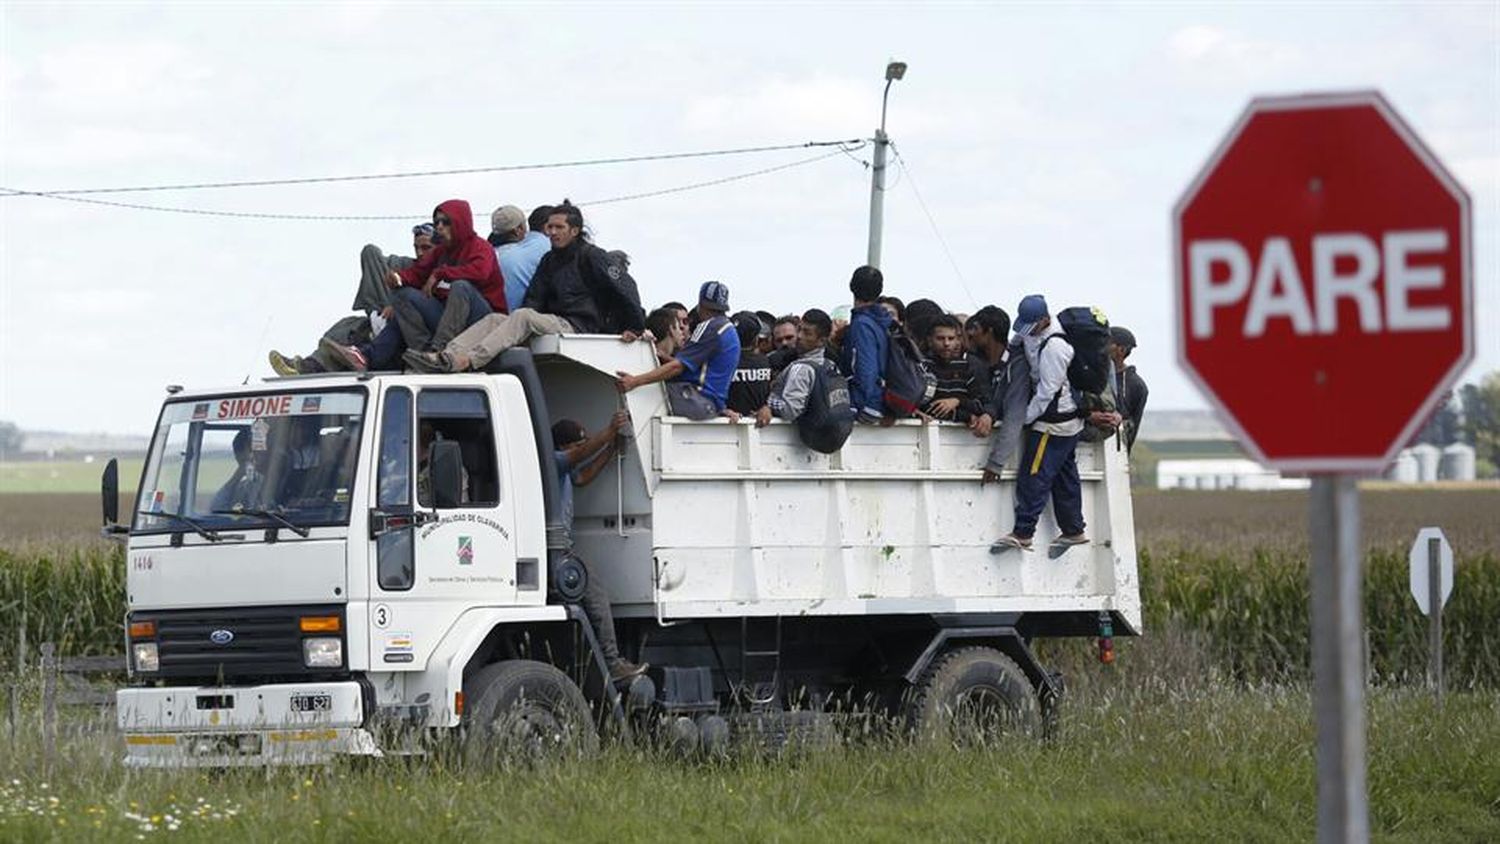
x=1049, y=141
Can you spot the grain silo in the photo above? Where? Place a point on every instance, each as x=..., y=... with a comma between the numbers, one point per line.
x=1457, y=463
x=1427, y=457
x=1403, y=470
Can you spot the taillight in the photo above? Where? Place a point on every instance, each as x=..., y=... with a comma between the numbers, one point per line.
x=1106, y=639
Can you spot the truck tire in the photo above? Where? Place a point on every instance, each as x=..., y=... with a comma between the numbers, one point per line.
x=972, y=695
x=528, y=709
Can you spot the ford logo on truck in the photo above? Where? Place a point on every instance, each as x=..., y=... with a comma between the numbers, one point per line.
x=221, y=637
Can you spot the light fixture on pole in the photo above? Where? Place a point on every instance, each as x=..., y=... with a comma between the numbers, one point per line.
x=894, y=70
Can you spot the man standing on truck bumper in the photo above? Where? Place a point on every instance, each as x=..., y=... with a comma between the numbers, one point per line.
x=1048, y=464
x=580, y=458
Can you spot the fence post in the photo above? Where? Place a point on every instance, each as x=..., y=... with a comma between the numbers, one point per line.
x=49, y=704
x=21, y=644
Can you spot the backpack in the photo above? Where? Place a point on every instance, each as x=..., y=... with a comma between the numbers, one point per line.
x=908, y=384
x=825, y=423
x=1086, y=329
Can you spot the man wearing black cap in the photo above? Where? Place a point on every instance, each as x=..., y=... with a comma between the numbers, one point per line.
x=1130, y=390
x=751, y=385
x=699, y=375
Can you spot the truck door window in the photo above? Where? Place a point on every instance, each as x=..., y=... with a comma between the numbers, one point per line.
x=394, y=557
x=462, y=416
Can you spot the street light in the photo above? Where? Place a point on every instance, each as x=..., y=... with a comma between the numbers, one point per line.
x=894, y=70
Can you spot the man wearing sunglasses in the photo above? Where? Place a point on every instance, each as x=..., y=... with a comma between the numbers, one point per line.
x=447, y=290
x=372, y=300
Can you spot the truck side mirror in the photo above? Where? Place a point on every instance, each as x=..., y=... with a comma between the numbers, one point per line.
x=109, y=490
x=447, y=474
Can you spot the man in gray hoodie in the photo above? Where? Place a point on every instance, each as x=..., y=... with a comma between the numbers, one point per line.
x=1047, y=468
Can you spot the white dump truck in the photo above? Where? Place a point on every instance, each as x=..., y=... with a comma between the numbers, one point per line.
x=403, y=570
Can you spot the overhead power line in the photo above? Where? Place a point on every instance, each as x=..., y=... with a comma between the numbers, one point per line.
x=260, y=215
x=943, y=242
x=461, y=171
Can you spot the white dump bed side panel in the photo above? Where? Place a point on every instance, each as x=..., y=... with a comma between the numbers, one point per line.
x=750, y=522
x=704, y=519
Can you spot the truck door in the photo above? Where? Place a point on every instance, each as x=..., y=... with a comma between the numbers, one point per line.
x=432, y=564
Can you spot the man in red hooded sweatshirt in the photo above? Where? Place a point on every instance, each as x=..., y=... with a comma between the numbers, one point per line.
x=447, y=290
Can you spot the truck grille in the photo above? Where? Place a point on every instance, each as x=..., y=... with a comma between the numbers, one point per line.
x=262, y=642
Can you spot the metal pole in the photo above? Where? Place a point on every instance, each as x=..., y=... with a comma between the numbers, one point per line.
x=1435, y=615
x=877, y=184
x=877, y=199
x=1338, y=684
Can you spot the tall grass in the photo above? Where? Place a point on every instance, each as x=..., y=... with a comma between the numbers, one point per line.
x=71, y=594
x=1249, y=606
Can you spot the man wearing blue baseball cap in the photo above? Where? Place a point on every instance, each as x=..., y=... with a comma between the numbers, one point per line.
x=1048, y=465
x=698, y=377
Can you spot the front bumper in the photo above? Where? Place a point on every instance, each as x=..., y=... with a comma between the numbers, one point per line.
x=229, y=726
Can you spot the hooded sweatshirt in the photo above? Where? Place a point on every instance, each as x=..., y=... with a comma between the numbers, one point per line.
x=466, y=257
x=864, y=359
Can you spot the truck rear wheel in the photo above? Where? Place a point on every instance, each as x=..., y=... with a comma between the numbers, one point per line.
x=972, y=695
x=528, y=709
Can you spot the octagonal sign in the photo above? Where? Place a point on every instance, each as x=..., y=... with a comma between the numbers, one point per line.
x=1323, y=281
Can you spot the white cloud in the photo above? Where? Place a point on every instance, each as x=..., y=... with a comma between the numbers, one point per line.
x=1223, y=54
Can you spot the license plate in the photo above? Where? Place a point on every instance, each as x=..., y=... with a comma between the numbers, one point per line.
x=312, y=703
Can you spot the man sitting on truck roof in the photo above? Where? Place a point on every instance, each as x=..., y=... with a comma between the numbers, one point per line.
x=661, y=325
x=699, y=375
x=1048, y=465
x=578, y=288
x=444, y=292
x=579, y=459
x=373, y=300
x=519, y=247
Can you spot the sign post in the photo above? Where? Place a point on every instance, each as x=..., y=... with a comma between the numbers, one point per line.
x=1320, y=238
x=1431, y=566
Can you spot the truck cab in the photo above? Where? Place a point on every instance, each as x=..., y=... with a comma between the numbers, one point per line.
x=354, y=564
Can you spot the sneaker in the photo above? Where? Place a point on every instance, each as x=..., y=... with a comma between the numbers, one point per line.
x=283, y=365
x=350, y=356
x=1010, y=541
x=1072, y=539
x=624, y=669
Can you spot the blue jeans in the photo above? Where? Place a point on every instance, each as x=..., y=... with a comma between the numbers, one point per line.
x=1048, y=466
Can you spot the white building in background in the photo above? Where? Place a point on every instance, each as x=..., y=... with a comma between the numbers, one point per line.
x=1222, y=474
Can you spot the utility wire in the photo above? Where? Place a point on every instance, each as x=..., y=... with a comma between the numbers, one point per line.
x=462, y=171
x=257, y=215
x=911, y=180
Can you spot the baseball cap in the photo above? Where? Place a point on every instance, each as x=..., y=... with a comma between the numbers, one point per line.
x=507, y=217
x=714, y=295
x=1032, y=310
x=1122, y=337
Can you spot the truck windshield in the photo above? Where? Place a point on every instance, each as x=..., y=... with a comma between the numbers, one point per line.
x=273, y=459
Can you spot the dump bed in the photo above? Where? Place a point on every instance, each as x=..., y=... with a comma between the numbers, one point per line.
x=718, y=519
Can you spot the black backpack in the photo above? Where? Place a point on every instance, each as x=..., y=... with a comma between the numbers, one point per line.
x=1087, y=330
x=908, y=384
x=825, y=423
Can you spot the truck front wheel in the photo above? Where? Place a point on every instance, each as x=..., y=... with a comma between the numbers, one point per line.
x=973, y=694
x=524, y=708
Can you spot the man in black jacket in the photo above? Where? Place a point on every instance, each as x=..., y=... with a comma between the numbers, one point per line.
x=1130, y=389
x=578, y=288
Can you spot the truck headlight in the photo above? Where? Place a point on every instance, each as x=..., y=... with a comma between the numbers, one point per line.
x=143, y=654
x=323, y=652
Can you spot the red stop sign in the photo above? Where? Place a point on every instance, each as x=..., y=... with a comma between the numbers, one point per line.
x=1324, y=281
